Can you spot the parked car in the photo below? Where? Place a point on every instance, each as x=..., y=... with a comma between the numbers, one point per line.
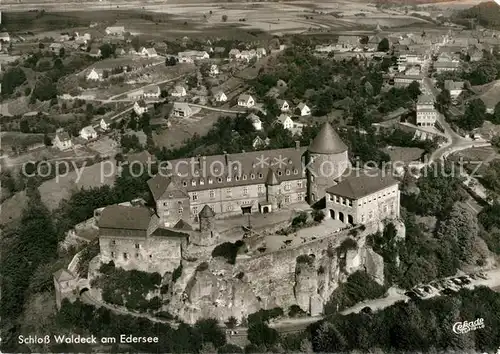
x=427, y=289
x=367, y=310
x=448, y=291
x=482, y=275
x=473, y=276
x=436, y=285
x=465, y=280
x=412, y=295
x=456, y=281
x=418, y=292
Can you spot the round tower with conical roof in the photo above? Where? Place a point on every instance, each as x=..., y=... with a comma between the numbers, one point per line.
x=208, y=234
x=273, y=189
x=327, y=160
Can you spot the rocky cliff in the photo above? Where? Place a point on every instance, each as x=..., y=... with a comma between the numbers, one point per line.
x=305, y=276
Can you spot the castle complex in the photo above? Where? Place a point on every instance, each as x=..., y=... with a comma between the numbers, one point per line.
x=191, y=193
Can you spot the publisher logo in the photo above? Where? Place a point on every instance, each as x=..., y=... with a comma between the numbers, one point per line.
x=467, y=326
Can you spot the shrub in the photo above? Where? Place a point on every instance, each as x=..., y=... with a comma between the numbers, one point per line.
x=230, y=348
x=228, y=250
x=300, y=219
x=296, y=311
x=177, y=273
x=318, y=215
x=202, y=267
x=348, y=244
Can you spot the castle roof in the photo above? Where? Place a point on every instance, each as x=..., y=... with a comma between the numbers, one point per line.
x=362, y=183
x=272, y=179
x=206, y=212
x=182, y=225
x=63, y=275
x=125, y=217
x=327, y=142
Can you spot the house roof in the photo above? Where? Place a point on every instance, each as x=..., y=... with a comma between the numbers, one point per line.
x=361, y=183
x=244, y=97
x=88, y=129
x=94, y=51
x=63, y=275
x=151, y=51
x=253, y=117
x=182, y=225
x=206, y=212
x=490, y=93
x=453, y=85
x=4, y=35
x=272, y=179
x=327, y=141
x=125, y=217
x=302, y=105
x=141, y=103
x=245, y=168
x=181, y=106
x=425, y=99
x=152, y=89
x=163, y=187
x=56, y=45
x=282, y=118
x=179, y=89
x=63, y=136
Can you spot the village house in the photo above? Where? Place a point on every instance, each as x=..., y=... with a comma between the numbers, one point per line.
x=475, y=55
x=140, y=107
x=303, y=110
x=283, y=105
x=115, y=31
x=95, y=74
x=259, y=143
x=347, y=43
x=193, y=55
x=413, y=70
x=179, y=91
x=181, y=110
x=404, y=80
x=105, y=124
x=88, y=133
x=373, y=42
x=234, y=54
x=285, y=121
x=119, y=52
x=426, y=113
x=152, y=92
x=245, y=100
x=62, y=140
x=4, y=37
x=64, y=38
x=214, y=70
x=220, y=96
x=256, y=122
x=147, y=52
x=261, y=52
x=95, y=53
x=444, y=66
x=455, y=88
x=56, y=48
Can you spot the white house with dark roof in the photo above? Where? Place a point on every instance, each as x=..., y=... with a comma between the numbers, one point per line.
x=95, y=74
x=285, y=121
x=95, y=53
x=455, y=88
x=105, y=124
x=88, y=133
x=140, y=107
x=181, y=110
x=246, y=100
x=426, y=112
x=303, y=110
x=56, y=47
x=4, y=37
x=220, y=96
x=62, y=140
x=214, y=70
x=256, y=122
x=115, y=31
x=283, y=105
x=178, y=91
x=152, y=92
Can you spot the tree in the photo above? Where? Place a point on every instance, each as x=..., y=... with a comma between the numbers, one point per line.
x=12, y=79
x=414, y=90
x=224, y=18
x=231, y=322
x=261, y=334
x=170, y=61
x=107, y=50
x=383, y=46
x=443, y=100
x=44, y=90
x=24, y=126
x=209, y=331
x=474, y=115
x=62, y=52
x=495, y=118
x=46, y=140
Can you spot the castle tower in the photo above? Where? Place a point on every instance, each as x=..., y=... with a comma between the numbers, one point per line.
x=273, y=189
x=208, y=234
x=65, y=286
x=327, y=160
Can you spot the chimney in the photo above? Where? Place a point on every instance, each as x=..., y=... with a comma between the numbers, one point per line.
x=297, y=144
x=226, y=158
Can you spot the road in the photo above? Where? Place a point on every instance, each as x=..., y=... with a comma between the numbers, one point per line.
x=88, y=299
x=293, y=325
x=148, y=85
x=113, y=118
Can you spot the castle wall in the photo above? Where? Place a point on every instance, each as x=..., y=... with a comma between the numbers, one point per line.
x=152, y=254
x=170, y=211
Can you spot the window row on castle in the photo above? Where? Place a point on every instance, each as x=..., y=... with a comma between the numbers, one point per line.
x=348, y=202
x=125, y=256
x=287, y=186
x=387, y=210
x=236, y=177
x=137, y=245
